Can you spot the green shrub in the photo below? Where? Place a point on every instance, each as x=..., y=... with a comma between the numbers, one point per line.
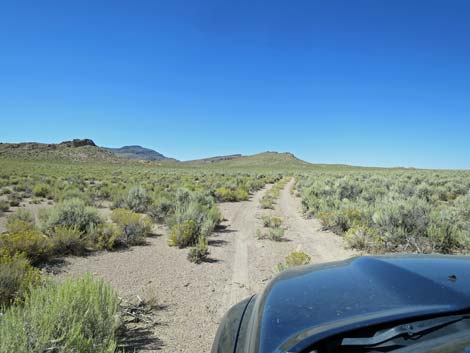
x=23, y=238
x=271, y=222
x=133, y=227
x=267, y=202
x=21, y=214
x=340, y=220
x=5, y=191
x=41, y=190
x=195, y=214
x=223, y=194
x=184, y=234
x=72, y=193
x=35, y=201
x=364, y=238
x=78, y=315
x=106, y=236
x=16, y=277
x=136, y=200
x=72, y=213
x=276, y=234
x=295, y=258
x=412, y=211
x=15, y=225
x=445, y=234
x=241, y=194
x=67, y=241
x=209, y=222
x=198, y=253
x=4, y=205
x=14, y=199
x=462, y=208
x=160, y=209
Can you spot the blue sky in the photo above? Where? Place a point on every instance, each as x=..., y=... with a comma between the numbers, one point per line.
x=383, y=83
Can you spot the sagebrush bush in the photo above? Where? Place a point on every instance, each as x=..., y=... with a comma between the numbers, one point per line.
x=41, y=190
x=106, y=236
x=72, y=213
x=224, y=194
x=184, y=234
x=335, y=220
x=4, y=205
x=133, y=227
x=199, y=253
x=21, y=214
x=364, y=238
x=136, y=199
x=271, y=222
x=267, y=202
x=16, y=277
x=160, y=209
x=5, y=191
x=14, y=199
x=26, y=239
x=276, y=234
x=295, y=258
x=78, y=315
x=67, y=241
x=71, y=193
x=462, y=210
x=392, y=212
x=445, y=234
x=195, y=214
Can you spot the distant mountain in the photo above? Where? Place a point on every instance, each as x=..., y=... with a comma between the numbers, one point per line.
x=139, y=153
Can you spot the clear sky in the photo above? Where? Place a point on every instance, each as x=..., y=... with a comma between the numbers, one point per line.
x=376, y=82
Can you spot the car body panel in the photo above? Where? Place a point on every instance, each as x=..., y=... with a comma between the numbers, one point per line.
x=307, y=304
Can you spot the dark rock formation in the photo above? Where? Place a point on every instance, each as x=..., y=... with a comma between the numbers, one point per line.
x=78, y=143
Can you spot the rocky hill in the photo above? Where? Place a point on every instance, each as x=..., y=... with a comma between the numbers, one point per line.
x=85, y=150
x=214, y=159
x=261, y=160
x=77, y=150
x=138, y=153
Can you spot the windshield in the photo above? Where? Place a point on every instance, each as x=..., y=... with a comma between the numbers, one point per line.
x=426, y=335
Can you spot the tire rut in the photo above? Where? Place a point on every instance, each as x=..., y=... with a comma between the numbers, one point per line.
x=242, y=222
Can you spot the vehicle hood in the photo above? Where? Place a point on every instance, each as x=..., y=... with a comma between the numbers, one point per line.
x=309, y=303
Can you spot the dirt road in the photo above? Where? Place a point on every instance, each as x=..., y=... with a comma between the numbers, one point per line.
x=323, y=246
x=195, y=297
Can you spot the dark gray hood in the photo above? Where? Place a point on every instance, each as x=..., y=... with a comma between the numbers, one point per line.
x=302, y=306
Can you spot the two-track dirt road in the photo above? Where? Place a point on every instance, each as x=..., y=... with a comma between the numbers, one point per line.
x=195, y=297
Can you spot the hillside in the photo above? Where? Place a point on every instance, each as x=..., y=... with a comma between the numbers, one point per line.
x=261, y=160
x=213, y=159
x=138, y=153
x=77, y=150
x=85, y=150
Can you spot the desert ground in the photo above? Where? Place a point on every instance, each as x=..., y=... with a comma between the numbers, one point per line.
x=192, y=299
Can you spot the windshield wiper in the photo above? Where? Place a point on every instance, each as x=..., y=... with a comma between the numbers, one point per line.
x=406, y=330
